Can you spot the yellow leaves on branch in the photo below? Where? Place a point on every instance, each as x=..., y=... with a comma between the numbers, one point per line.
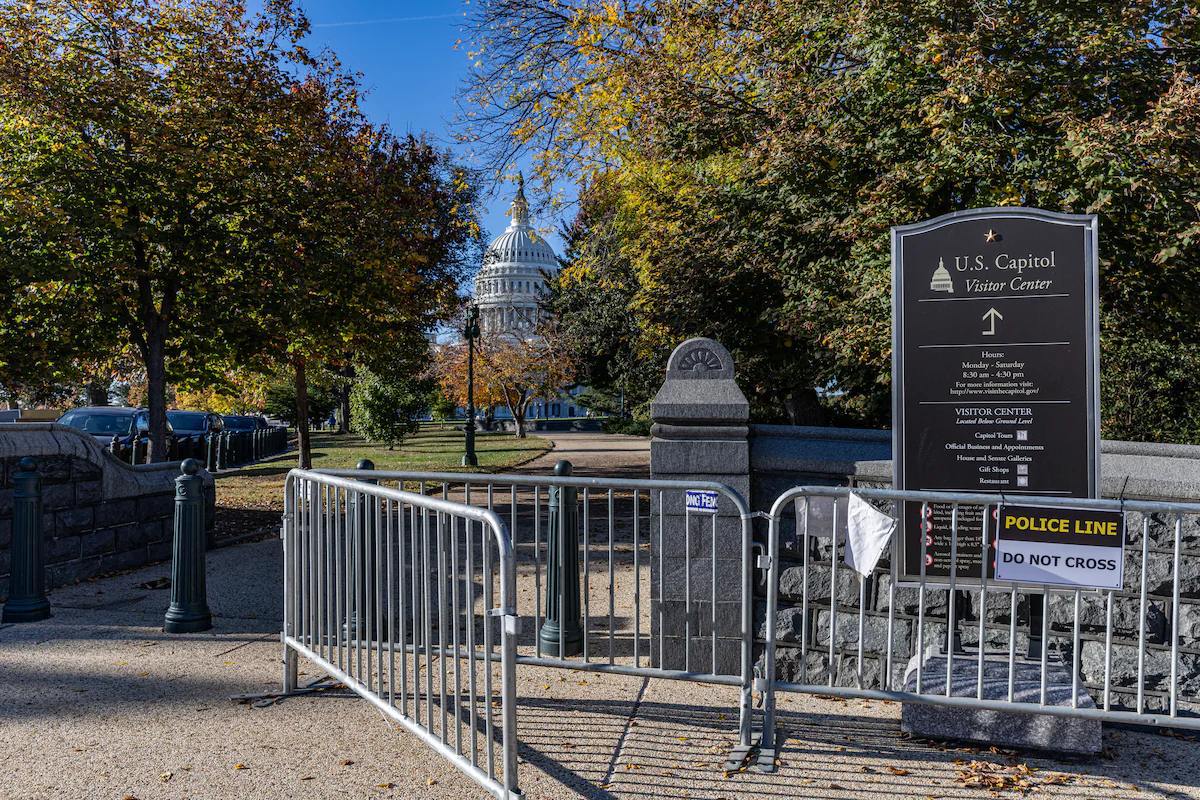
x=507, y=368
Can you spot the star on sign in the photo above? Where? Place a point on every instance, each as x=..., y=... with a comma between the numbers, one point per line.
x=991, y=235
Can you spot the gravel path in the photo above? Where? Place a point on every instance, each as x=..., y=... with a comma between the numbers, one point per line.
x=595, y=454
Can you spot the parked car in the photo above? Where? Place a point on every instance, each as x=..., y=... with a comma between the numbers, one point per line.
x=244, y=422
x=195, y=423
x=190, y=429
x=105, y=422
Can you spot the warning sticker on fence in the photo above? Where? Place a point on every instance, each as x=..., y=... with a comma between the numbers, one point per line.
x=1077, y=547
x=701, y=501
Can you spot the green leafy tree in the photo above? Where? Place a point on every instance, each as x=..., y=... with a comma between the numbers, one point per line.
x=362, y=248
x=756, y=153
x=385, y=408
x=141, y=131
x=440, y=406
x=594, y=298
x=280, y=398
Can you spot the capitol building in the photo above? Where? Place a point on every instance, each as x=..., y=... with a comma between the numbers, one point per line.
x=511, y=281
x=508, y=289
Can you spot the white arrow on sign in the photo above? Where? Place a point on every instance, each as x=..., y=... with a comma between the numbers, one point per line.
x=990, y=317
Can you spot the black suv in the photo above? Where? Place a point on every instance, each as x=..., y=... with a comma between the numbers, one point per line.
x=105, y=422
x=195, y=423
x=245, y=422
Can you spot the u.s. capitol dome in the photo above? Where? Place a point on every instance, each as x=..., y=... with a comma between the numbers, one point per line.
x=511, y=282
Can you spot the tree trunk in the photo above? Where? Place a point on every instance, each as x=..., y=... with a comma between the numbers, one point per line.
x=518, y=410
x=303, y=443
x=156, y=389
x=343, y=414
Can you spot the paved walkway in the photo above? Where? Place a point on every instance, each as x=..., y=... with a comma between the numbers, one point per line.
x=98, y=703
x=594, y=454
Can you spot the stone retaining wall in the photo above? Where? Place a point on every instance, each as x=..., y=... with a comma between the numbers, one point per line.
x=98, y=514
x=700, y=433
x=782, y=457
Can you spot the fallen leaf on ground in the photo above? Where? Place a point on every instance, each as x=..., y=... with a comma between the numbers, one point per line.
x=896, y=770
x=166, y=776
x=240, y=765
x=157, y=583
x=345, y=762
x=1000, y=777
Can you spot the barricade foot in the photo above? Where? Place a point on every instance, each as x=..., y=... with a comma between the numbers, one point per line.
x=752, y=757
x=322, y=684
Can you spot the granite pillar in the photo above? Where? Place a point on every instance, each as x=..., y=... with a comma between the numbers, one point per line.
x=700, y=433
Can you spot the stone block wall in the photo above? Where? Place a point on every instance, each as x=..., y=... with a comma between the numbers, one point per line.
x=782, y=457
x=99, y=514
x=701, y=433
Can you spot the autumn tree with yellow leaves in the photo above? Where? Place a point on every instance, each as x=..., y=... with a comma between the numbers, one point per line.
x=510, y=371
x=741, y=161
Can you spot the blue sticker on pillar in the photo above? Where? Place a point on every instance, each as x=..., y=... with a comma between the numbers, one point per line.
x=702, y=501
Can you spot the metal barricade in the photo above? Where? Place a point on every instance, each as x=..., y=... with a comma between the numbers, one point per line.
x=913, y=649
x=410, y=601
x=628, y=550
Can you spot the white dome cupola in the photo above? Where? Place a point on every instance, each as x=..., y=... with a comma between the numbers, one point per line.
x=510, y=282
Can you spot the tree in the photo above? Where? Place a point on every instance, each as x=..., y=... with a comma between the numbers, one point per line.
x=440, y=407
x=753, y=156
x=242, y=389
x=449, y=370
x=509, y=370
x=363, y=246
x=280, y=398
x=142, y=132
x=385, y=408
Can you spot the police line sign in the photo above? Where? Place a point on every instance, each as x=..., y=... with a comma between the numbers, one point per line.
x=1077, y=547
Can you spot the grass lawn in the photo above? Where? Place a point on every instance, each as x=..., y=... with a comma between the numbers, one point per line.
x=259, y=486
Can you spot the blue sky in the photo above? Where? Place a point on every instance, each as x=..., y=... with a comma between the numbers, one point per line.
x=410, y=68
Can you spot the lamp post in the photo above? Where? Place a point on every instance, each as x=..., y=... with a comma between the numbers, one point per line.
x=471, y=332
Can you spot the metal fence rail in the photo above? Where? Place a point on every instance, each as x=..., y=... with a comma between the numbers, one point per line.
x=409, y=595
x=614, y=531
x=836, y=622
x=410, y=601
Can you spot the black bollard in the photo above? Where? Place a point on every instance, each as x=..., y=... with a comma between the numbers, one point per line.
x=562, y=634
x=188, y=612
x=27, y=581
x=114, y=446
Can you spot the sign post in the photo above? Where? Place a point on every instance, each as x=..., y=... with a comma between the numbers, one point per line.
x=994, y=372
